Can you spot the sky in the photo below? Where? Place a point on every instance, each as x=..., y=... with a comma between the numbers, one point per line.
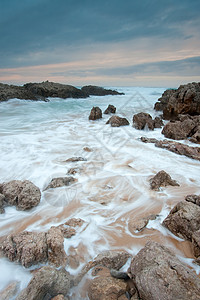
x=109, y=42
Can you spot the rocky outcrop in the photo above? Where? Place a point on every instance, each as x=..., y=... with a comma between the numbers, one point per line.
x=193, y=198
x=23, y=194
x=158, y=274
x=142, y=120
x=60, y=181
x=162, y=179
x=116, y=121
x=30, y=248
x=98, y=91
x=184, y=128
x=184, y=100
x=178, y=148
x=162, y=102
x=46, y=283
x=111, y=109
x=95, y=113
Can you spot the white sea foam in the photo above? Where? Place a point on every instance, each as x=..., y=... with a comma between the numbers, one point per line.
x=113, y=184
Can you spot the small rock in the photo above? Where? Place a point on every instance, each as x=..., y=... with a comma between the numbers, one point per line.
x=75, y=159
x=73, y=171
x=116, y=121
x=162, y=179
x=47, y=281
x=158, y=123
x=136, y=224
x=111, y=109
x=69, y=228
x=87, y=149
x=60, y=181
x=95, y=113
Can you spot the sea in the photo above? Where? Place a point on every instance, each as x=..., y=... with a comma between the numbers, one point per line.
x=112, y=190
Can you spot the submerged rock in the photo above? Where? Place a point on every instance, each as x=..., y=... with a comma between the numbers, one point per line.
x=60, y=181
x=162, y=179
x=46, y=282
x=111, y=109
x=23, y=194
x=98, y=91
x=75, y=159
x=95, y=113
x=116, y=121
x=158, y=274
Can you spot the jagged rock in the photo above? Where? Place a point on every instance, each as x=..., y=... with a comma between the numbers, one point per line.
x=162, y=102
x=179, y=130
x=2, y=201
x=47, y=281
x=98, y=91
x=178, y=148
x=193, y=198
x=196, y=244
x=60, y=181
x=28, y=248
x=56, y=252
x=184, y=100
x=158, y=122
x=141, y=120
x=9, y=291
x=111, y=109
x=23, y=194
x=183, y=219
x=104, y=287
x=116, y=121
x=75, y=159
x=162, y=179
x=87, y=149
x=11, y=91
x=95, y=113
x=158, y=274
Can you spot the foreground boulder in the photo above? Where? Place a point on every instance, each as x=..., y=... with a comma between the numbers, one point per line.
x=142, y=120
x=158, y=274
x=98, y=91
x=116, y=121
x=162, y=179
x=111, y=109
x=95, y=114
x=22, y=194
x=178, y=148
x=184, y=100
x=47, y=282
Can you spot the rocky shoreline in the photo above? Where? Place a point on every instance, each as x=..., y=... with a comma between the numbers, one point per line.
x=42, y=91
x=154, y=273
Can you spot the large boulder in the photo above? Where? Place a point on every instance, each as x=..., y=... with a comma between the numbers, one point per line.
x=162, y=102
x=141, y=120
x=162, y=179
x=158, y=274
x=184, y=100
x=95, y=114
x=111, y=109
x=183, y=219
x=46, y=282
x=23, y=194
x=116, y=121
x=98, y=91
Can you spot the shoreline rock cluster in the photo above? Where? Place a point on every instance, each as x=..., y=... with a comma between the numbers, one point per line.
x=43, y=90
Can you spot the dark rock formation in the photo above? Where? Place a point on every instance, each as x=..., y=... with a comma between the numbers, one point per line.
x=178, y=148
x=183, y=219
x=98, y=91
x=46, y=282
x=141, y=120
x=116, y=121
x=95, y=113
x=2, y=201
x=60, y=181
x=162, y=179
x=23, y=194
x=158, y=274
x=185, y=127
x=159, y=106
x=184, y=100
x=111, y=109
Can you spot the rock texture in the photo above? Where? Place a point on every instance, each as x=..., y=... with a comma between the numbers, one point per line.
x=184, y=100
x=75, y=159
x=2, y=203
x=193, y=198
x=23, y=194
x=10, y=291
x=60, y=181
x=162, y=179
x=142, y=120
x=111, y=109
x=46, y=282
x=116, y=121
x=158, y=274
x=98, y=91
x=95, y=113
x=178, y=148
